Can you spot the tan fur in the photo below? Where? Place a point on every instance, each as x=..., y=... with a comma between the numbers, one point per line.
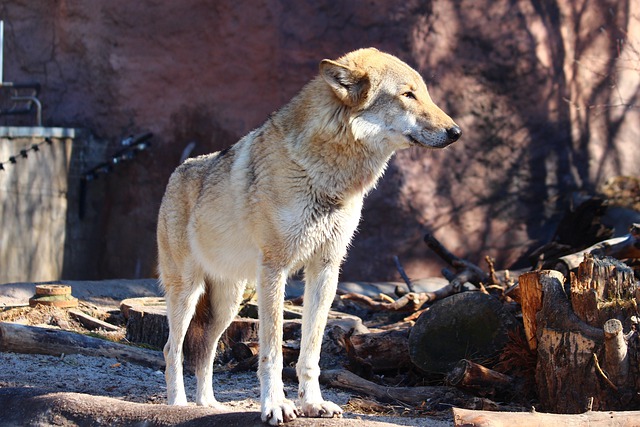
x=287, y=195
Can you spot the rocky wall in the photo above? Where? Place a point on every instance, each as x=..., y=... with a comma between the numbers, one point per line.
x=545, y=91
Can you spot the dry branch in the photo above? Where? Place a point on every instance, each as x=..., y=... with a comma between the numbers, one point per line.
x=627, y=246
x=465, y=270
x=408, y=303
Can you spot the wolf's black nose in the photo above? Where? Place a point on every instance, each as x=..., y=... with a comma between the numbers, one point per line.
x=454, y=133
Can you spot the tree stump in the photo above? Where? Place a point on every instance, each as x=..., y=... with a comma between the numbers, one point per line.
x=583, y=364
x=147, y=324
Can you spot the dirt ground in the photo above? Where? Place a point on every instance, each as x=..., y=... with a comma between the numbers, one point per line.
x=82, y=390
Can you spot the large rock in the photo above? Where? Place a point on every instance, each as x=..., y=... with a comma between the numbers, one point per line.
x=540, y=89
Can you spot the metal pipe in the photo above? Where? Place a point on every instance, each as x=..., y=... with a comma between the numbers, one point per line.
x=35, y=101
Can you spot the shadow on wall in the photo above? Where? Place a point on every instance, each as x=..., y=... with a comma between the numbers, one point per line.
x=539, y=88
x=542, y=107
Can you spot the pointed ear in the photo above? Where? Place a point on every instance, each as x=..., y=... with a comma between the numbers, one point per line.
x=349, y=84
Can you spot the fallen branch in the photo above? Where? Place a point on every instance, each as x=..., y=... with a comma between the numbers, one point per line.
x=466, y=417
x=465, y=270
x=403, y=274
x=627, y=246
x=91, y=322
x=341, y=378
x=34, y=340
x=408, y=303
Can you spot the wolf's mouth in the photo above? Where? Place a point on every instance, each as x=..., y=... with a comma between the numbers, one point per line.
x=414, y=140
x=429, y=144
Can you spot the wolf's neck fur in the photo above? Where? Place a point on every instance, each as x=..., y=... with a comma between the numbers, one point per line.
x=324, y=144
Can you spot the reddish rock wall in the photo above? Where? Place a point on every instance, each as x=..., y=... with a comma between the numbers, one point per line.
x=541, y=90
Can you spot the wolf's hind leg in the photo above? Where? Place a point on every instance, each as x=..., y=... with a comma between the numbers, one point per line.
x=321, y=280
x=182, y=294
x=224, y=301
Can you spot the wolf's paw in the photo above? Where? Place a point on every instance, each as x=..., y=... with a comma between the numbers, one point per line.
x=276, y=413
x=323, y=409
x=213, y=404
x=177, y=401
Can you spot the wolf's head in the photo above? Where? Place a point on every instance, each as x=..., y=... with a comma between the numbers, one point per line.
x=388, y=101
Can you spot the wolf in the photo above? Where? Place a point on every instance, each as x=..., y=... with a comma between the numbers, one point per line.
x=287, y=196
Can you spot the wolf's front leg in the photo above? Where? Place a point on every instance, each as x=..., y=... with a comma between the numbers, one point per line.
x=321, y=280
x=276, y=409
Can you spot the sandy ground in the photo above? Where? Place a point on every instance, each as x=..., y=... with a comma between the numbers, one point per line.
x=99, y=376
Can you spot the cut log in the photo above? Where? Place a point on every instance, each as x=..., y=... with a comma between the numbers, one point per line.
x=468, y=325
x=380, y=351
x=467, y=418
x=91, y=322
x=30, y=339
x=483, y=381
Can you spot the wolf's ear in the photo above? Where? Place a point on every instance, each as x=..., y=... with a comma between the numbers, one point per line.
x=349, y=84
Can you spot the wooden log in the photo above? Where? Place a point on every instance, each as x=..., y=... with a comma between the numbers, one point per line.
x=615, y=351
x=381, y=351
x=474, y=377
x=467, y=418
x=91, y=322
x=463, y=326
x=30, y=339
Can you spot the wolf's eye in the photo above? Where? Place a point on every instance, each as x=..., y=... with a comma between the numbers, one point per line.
x=409, y=95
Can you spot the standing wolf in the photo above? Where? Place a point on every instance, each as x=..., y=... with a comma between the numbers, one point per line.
x=286, y=196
